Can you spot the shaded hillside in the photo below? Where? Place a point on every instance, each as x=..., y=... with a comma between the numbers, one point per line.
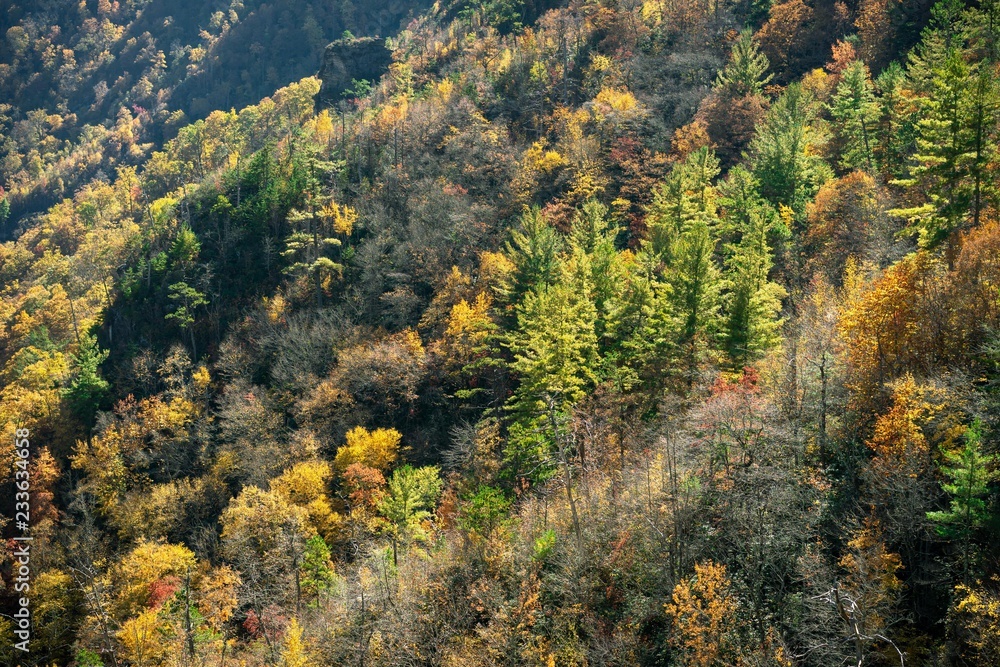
x=71, y=74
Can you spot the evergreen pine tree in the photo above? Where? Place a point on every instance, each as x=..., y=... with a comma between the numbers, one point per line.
x=969, y=472
x=752, y=301
x=684, y=196
x=556, y=360
x=310, y=245
x=783, y=154
x=683, y=223
x=555, y=346
x=896, y=128
x=651, y=349
x=958, y=109
x=533, y=249
x=856, y=114
x=594, y=235
x=983, y=25
x=939, y=177
x=87, y=391
x=746, y=71
x=694, y=282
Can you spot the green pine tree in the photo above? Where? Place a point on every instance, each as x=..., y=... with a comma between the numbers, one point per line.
x=896, y=129
x=186, y=300
x=746, y=71
x=311, y=246
x=694, y=283
x=685, y=195
x=593, y=234
x=983, y=27
x=958, y=110
x=652, y=347
x=534, y=250
x=856, y=115
x=680, y=318
x=752, y=301
x=556, y=360
x=555, y=345
x=87, y=392
x=410, y=501
x=969, y=472
x=317, y=570
x=784, y=156
x=940, y=175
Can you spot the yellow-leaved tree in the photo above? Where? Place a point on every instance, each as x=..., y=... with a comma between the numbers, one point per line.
x=306, y=485
x=703, y=613
x=705, y=633
x=294, y=652
x=373, y=449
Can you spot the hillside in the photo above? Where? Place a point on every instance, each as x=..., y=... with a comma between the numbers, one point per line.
x=90, y=86
x=591, y=333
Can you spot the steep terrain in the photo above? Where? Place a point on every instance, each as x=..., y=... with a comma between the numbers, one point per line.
x=590, y=333
x=89, y=86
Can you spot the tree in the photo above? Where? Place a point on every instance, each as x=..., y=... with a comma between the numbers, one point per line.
x=848, y=219
x=555, y=345
x=87, y=391
x=939, y=177
x=898, y=482
x=857, y=610
x=682, y=221
x=376, y=449
x=976, y=611
x=187, y=300
x=746, y=71
x=306, y=485
x=555, y=358
x=485, y=510
x=694, y=281
x=786, y=34
x=504, y=15
x=264, y=536
x=142, y=639
x=185, y=249
x=957, y=108
x=648, y=324
x=313, y=240
x=147, y=578
x=784, y=156
x=318, y=574
x=896, y=129
x=876, y=32
x=880, y=327
x=752, y=301
x=411, y=496
x=293, y=652
x=533, y=249
x=593, y=234
x=703, y=613
x=985, y=113
x=686, y=195
x=856, y=113
x=816, y=354
x=56, y=604
x=969, y=472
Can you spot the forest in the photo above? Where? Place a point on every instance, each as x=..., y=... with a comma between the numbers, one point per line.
x=639, y=333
